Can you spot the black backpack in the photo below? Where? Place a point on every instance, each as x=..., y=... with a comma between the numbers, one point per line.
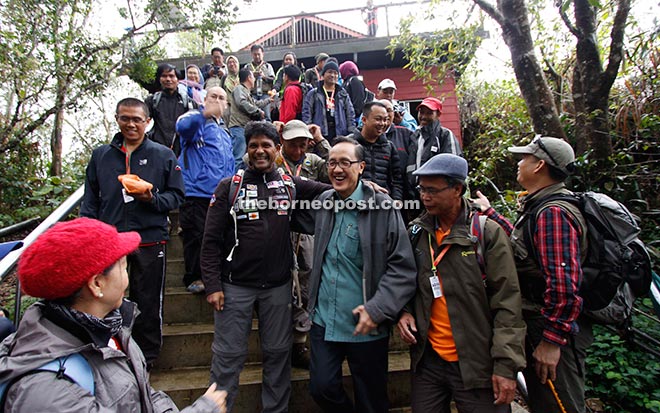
x=617, y=268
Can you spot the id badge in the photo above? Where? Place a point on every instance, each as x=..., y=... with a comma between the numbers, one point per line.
x=435, y=286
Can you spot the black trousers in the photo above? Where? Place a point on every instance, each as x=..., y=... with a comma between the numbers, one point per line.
x=146, y=277
x=192, y=217
x=368, y=364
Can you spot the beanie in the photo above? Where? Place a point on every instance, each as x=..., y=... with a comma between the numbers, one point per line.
x=65, y=257
x=330, y=65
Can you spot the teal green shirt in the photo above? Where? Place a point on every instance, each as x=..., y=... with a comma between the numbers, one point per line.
x=340, y=290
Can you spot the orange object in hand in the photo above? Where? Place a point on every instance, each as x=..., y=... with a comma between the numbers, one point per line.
x=134, y=184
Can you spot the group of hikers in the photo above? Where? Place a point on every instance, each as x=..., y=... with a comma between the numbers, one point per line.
x=295, y=220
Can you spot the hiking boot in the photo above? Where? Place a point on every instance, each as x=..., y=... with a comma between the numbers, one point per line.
x=196, y=287
x=300, y=356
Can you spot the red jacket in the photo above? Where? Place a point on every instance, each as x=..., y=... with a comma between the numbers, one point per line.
x=292, y=98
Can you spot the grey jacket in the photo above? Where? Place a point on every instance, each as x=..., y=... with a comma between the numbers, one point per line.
x=243, y=107
x=120, y=379
x=388, y=275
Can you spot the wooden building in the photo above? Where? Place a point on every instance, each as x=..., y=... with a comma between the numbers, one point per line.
x=307, y=35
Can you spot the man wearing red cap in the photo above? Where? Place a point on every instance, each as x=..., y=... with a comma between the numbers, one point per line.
x=433, y=138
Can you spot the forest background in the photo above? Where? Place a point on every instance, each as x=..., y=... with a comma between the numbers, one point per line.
x=584, y=70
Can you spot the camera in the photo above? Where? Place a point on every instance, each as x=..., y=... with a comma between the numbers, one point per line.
x=216, y=70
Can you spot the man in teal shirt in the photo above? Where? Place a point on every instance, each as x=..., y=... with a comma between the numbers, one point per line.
x=363, y=273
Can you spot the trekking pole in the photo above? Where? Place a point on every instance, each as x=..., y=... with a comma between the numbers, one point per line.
x=554, y=392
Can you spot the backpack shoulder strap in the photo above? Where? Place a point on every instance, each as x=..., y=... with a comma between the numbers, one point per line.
x=74, y=368
x=234, y=189
x=477, y=226
x=156, y=101
x=414, y=234
x=533, y=214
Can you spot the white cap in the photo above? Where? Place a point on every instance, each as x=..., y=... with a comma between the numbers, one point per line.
x=386, y=83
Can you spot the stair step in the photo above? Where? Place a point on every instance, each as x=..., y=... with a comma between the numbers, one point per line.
x=185, y=385
x=181, y=307
x=174, y=271
x=189, y=345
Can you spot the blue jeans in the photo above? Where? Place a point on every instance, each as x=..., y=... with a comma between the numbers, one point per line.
x=238, y=144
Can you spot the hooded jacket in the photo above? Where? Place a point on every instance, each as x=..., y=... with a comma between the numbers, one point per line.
x=313, y=111
x=120, y=377
x=486, y=315
x=103, y=199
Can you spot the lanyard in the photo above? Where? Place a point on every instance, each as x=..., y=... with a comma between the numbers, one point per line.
x=436, y=261
x=128, y=158
x=288, y=169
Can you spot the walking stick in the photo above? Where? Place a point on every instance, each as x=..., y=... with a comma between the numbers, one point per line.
x=554, y=392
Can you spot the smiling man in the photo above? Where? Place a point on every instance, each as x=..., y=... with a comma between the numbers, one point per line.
x=144, y=211
x=433, y=138
x=362, y=275
x=382, y=164
x=247, y=260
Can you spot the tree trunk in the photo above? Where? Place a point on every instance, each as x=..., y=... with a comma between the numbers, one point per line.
x=592, y=83
x=512, y=17
x=56, y=135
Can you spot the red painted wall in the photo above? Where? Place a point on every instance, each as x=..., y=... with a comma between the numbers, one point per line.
x=414, y=91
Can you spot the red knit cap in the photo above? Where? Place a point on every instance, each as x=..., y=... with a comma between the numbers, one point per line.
x=64, y=258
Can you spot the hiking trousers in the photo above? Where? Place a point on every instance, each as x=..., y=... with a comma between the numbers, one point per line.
x=230, y=342
x=570, y=369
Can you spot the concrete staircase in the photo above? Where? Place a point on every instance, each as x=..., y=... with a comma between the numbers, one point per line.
x=183, y=367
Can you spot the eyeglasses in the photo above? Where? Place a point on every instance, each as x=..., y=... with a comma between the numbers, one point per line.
x=541, y=145
x=129, y=119
x=343, y=164
x=430, y=191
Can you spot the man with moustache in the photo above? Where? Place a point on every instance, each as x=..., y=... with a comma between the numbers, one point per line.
x=247, y=260
x=464, y=324
x=363, y=273
x=433, y=138
x=381, y=159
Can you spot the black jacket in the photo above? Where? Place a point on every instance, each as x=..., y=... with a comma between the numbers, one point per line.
x=436, y=139
x=407, y=149
x=382, y=164
x=165, y=113
x=105, y=201
x=263, y=258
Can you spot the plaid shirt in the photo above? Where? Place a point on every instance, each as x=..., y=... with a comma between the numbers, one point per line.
x=557, y=242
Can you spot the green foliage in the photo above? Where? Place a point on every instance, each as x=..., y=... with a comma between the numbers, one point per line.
x=620, y=373
x=494, y=117
x=445, y=51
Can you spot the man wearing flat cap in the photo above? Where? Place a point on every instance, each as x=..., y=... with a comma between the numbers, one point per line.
x=550, y=273
x=432, y=138
x=313, y=75
x=464, y=323
x=329, y=105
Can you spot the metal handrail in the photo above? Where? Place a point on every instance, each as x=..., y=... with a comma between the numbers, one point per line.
x=9, y=262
